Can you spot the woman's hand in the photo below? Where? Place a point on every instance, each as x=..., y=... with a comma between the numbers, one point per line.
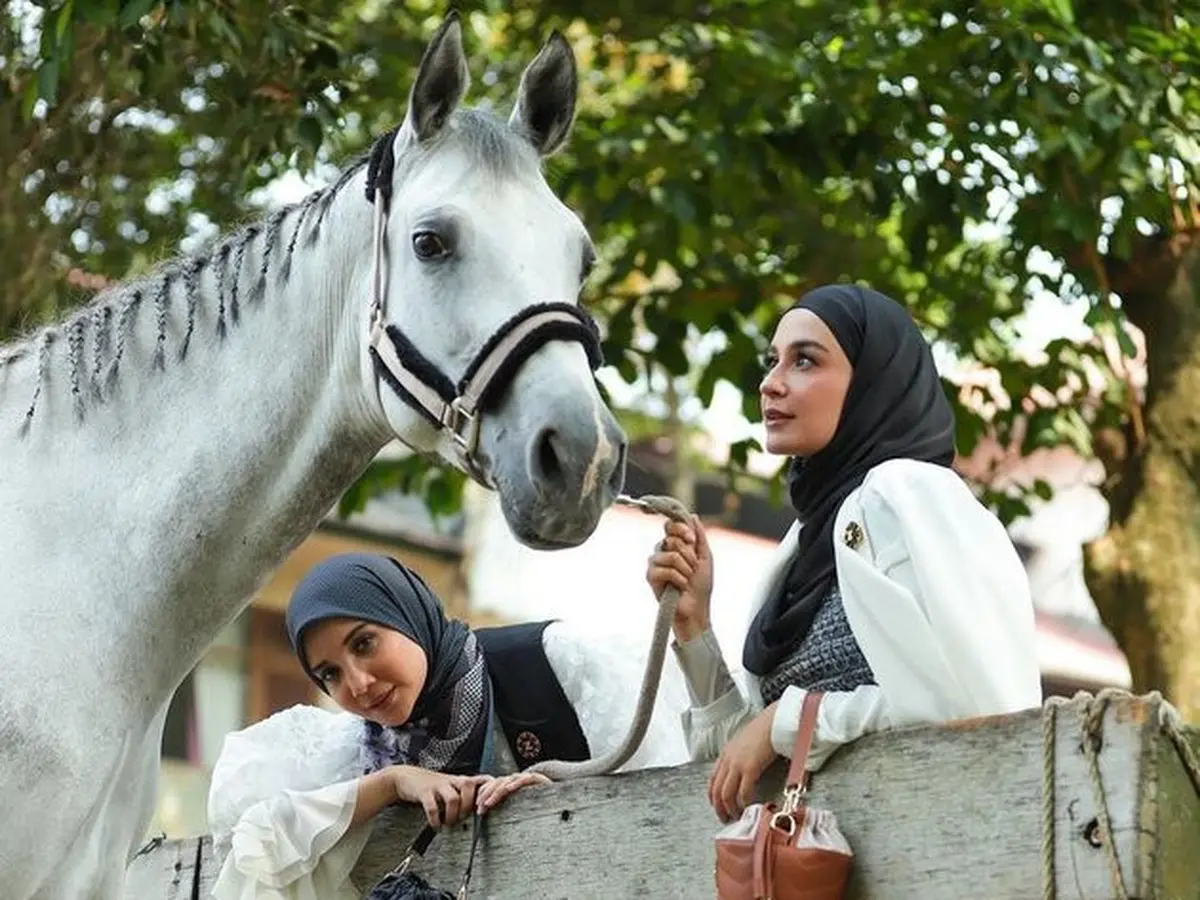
x=740, y=766
x=446, y=799
x=682, y=560
x=498, y=789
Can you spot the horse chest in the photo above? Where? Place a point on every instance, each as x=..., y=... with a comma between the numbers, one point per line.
x=83, y=795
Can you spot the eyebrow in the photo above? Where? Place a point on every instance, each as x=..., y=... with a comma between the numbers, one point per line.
x=345, y=643
x=803, y=344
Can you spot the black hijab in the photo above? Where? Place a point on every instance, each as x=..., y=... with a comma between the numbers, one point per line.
x=449, y=720
x=894, y=409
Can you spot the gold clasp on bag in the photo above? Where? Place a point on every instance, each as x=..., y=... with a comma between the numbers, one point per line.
x=788, y=823
x=793, y=796
x=784, y=820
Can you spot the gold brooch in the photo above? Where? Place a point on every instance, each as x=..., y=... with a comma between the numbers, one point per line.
x=528, y=745
x=853, y=536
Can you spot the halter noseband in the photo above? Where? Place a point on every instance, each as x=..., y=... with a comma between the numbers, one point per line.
x=427, y=389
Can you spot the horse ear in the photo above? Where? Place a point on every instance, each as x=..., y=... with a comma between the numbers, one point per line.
x=441, y=81
x=545, y=108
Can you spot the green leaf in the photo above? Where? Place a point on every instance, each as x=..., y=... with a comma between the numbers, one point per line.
x=99, y=12
x=1062, y=10
x=1174, y=101
x=29, y=100
x=739, y=451
x=310, y=133
x=63, y=20
x=133, y=10
x=47, y=82
x=1125, y=342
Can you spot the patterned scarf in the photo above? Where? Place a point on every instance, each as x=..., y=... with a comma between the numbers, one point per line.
x=450, y=738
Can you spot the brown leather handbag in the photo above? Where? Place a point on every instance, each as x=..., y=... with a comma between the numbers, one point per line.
x=788, y=852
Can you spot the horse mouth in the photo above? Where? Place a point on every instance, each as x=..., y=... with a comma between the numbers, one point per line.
x=536, y=541
x=549, y=535
x=543, y=544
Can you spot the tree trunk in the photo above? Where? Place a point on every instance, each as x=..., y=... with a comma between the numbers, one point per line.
x=1144, y=574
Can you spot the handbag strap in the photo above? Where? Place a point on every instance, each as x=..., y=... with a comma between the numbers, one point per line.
x=763, y=871
x=797, y=777
x=422, y=841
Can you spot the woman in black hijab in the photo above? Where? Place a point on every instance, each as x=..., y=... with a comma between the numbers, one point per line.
x=894, y=408
x=851, y=395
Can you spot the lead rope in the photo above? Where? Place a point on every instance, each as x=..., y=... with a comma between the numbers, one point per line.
x=560, y=770
x=1092, y=726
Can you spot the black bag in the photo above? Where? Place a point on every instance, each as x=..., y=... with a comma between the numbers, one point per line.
x=403, y=884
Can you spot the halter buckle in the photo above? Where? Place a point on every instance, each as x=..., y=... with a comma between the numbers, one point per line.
x=463, y=426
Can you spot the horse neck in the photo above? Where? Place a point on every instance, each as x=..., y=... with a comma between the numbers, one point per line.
x=155, y=512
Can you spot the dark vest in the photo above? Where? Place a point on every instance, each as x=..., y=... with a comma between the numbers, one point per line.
x=538, y=720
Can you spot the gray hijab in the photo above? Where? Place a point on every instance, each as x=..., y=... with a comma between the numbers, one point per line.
x=449, y=720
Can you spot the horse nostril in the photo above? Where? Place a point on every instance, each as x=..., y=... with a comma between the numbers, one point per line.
x=616, y=480
x=548, y=459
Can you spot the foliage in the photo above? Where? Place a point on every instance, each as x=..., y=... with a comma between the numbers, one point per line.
x=726, y=157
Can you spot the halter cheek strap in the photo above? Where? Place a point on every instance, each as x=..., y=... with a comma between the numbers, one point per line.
x=456, y=409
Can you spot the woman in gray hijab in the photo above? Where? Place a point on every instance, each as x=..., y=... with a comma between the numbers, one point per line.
x=442, y=716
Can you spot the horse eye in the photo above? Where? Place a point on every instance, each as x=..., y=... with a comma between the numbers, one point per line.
x=428, y=245
x=587, y=263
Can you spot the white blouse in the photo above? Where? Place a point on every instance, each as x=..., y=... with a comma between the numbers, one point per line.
x=938, y=601
x=284, y=789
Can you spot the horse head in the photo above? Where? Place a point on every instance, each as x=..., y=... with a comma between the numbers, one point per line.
x=476, y=325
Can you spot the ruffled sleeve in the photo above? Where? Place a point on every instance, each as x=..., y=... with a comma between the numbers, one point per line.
x=296, y=845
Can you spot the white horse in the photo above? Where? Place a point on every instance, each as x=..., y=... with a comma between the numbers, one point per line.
x=166, y=447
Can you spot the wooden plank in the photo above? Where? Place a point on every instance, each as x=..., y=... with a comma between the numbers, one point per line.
x=933, y=813
x=1175, y=867
x=1128, y=736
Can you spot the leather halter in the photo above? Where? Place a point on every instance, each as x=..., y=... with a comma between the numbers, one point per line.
x=457, y=409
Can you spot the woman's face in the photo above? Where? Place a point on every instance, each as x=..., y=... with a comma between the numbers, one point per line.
x=802, y=392
x=368, y=669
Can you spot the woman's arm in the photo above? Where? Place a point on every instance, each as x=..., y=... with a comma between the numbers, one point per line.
x=843, y=716
x=719, y=709
x=302, y=844
x=375, y=793
x=703, y=666
x=683, y=560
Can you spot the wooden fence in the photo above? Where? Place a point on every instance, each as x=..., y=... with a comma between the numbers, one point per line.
x=983, y=809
